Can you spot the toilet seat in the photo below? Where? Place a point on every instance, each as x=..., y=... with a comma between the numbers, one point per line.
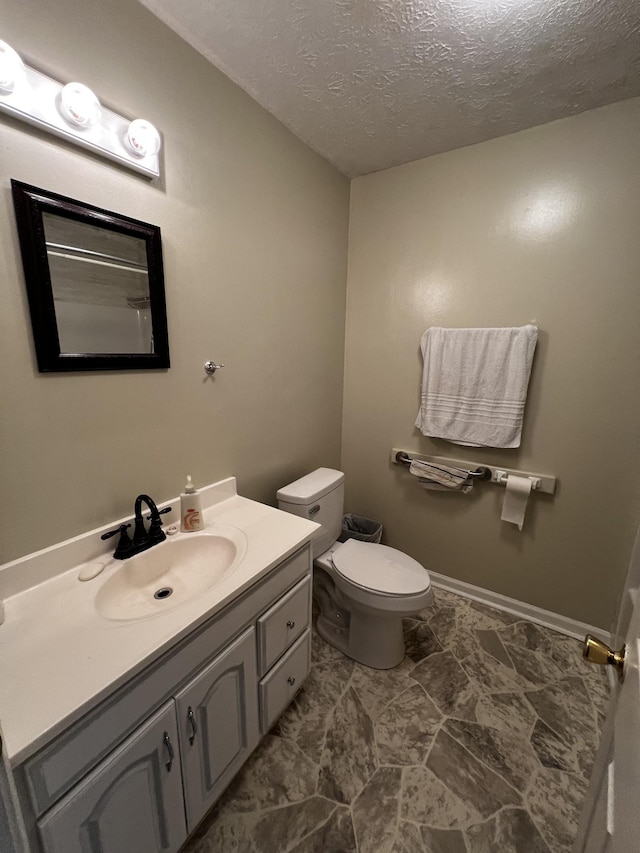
x=380, y=569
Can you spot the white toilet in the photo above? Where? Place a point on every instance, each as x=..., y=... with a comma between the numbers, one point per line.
x=363, y=590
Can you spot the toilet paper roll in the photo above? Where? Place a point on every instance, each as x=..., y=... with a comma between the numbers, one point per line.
x=517, y=493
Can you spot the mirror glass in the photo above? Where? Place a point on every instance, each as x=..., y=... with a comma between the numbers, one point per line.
x=95, y=284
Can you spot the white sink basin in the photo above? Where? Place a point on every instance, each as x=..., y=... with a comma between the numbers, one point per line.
x=171, y=573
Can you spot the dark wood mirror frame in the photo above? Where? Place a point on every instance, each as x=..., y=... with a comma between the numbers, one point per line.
x=30, y=204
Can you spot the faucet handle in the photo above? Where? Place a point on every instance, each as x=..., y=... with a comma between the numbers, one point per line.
x=156, y=533
x=160, y=512
x=111, y=533
x=124, y=543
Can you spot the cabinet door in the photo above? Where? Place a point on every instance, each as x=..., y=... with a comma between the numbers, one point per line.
x=218, y=724
x=132, y=801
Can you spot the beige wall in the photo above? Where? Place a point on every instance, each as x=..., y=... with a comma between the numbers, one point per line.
x=254, y=230
x=541, y=225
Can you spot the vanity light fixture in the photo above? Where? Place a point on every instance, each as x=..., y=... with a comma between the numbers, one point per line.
x=73, y=112
x=143, y=138
x=79, y=105
x=11, y=68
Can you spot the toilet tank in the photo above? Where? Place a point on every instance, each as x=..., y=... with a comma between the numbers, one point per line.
x=318, y=496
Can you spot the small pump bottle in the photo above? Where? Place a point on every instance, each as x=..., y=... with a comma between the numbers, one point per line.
x=190, y=508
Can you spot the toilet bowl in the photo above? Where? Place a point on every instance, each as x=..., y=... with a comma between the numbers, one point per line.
x=363, y=589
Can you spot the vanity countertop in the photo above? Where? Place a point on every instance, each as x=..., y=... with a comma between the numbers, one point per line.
x=59, y=657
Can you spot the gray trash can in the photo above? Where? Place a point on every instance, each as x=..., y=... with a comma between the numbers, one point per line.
x=357, y=527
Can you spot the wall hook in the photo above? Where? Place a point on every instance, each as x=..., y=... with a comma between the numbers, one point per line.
x=210, y=367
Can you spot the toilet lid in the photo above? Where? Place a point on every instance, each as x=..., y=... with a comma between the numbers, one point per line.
x=380, y=568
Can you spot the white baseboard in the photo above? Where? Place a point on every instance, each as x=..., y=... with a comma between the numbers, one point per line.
x=562, y=624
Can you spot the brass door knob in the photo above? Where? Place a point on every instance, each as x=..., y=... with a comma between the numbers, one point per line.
x=595, y=651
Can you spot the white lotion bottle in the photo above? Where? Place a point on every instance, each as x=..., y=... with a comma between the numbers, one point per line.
x=190, y=509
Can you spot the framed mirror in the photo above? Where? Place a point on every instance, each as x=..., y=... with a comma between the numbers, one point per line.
x=95, y=284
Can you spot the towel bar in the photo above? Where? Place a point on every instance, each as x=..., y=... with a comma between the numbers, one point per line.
x=497, y=474
x=482, y=472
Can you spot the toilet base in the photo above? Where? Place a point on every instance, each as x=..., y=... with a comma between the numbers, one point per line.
x=373, y=640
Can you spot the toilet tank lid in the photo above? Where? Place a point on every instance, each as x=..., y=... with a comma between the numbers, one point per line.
x=311, y=487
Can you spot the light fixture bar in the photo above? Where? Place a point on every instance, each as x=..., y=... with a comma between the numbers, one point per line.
x=36, y=100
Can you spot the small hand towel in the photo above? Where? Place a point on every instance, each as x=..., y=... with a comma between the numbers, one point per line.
x=474, y=384
x=446, y=475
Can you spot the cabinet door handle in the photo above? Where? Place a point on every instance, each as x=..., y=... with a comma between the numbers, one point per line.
x=291, y=680
x=291, y=624
x=166, y=740
x=194, y=729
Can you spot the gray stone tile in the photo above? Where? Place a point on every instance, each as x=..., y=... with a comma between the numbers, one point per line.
x=375, y=811
x=231, y=833
x=507, y=712
x=376, y=687
x=405, y=729
x=466, y=777
x=349, y=755
x=456, y=628
x=491, y=643
x=408, y=839
x=567, y=652
x=444, y=624
x=565, y=707
x=336, y=835
x=426, y=800
x=444, y=598
x=443, y=840
x=277, y=773
x=507, y=754
x=510, y=831
x=447, y=684
x=527, y=635
x=323, y=651
x=552, y=749
x=305, y=720
x=278, y=829
x=595, y=679
x=554, y=800
x=491, y=676
x=419, y=640
x=536, y=667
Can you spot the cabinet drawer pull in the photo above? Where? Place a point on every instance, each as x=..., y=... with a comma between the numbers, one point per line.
x=291, y=680
x=291, y=624
x=194, y=729
x=167, y=742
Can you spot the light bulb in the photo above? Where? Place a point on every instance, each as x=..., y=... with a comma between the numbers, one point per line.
x=79, y=105
x=143, y=139
x=11, y=68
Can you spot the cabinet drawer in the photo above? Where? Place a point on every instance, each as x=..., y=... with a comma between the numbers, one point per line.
x=283, y=682
x=283, y=623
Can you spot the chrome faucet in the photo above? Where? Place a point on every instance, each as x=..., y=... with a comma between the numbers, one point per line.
x=142, y=538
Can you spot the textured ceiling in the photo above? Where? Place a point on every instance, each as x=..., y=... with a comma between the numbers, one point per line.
x=374, y=83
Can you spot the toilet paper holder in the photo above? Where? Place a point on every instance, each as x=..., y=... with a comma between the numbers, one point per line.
x=500, y=476
x=541, y=483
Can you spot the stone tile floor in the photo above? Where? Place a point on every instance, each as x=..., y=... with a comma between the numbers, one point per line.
x=480, y=741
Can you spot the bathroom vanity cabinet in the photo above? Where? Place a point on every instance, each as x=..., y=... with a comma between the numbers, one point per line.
x=151, y=760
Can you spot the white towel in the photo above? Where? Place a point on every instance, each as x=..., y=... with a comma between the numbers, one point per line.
x=474, y=384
